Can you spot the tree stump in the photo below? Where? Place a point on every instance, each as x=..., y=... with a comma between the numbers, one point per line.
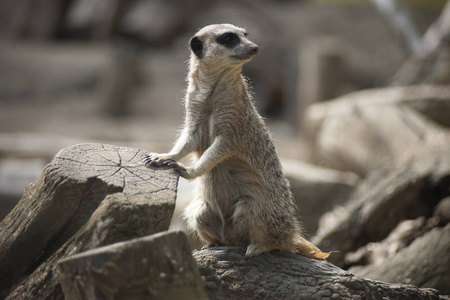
x=156, y=267
x=90, y=195
x=284, y=275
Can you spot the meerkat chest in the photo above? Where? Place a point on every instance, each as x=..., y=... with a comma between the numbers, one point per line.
x=203, y=125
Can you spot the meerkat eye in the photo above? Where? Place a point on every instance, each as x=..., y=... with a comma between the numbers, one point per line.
x=245, y=34
x=229, y=39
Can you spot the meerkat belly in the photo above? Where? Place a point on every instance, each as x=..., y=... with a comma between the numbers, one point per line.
x=228, y=183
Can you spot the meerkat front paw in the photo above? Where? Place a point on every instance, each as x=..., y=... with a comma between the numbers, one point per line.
x=158, y=160
x=255, y=249
x=179, y=167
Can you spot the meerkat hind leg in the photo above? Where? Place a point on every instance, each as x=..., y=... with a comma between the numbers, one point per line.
x=209, y=246
x=255, y=249
x=203, y=220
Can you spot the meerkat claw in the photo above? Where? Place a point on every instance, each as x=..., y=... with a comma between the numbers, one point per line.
x=169, y=162
x=148, y=160
x=152, y=160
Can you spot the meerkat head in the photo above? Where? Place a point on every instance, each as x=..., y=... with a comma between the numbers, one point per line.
x=222, y=44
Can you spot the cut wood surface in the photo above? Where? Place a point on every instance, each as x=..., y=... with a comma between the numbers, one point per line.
x=90, y=195
x=283, y=275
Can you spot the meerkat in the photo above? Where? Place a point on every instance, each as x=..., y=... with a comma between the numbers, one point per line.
x=243, y=198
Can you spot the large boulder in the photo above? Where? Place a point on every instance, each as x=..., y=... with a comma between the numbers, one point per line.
x=373, y=129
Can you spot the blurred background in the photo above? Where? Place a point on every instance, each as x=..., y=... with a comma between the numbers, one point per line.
x=113, y=71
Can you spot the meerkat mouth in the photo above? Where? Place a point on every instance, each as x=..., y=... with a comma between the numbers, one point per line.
x=243, y=57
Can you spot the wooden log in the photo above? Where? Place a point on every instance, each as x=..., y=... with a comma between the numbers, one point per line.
x=33, y=19
x=366, y=119
x=430, y=63
x=381, y=201
x=323, y=72
x=398, y=17
x=160, y=266
x=424, y=263
x=90, y=195
x=284, y=275
x=123, y=78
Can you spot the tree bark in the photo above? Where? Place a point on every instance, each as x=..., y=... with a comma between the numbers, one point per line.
x=156, y=267
x=283, y=275
x=90, y=195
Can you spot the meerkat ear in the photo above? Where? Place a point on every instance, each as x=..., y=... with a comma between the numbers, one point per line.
x=197, y=46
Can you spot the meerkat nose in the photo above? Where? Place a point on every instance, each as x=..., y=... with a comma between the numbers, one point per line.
x=254, y=49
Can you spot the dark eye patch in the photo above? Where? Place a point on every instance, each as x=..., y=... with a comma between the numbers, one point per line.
x=228, y=39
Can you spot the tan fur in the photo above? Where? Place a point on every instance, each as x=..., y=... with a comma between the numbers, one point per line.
x=243, y=197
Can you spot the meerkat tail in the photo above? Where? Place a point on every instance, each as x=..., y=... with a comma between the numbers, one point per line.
x=308, y=249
